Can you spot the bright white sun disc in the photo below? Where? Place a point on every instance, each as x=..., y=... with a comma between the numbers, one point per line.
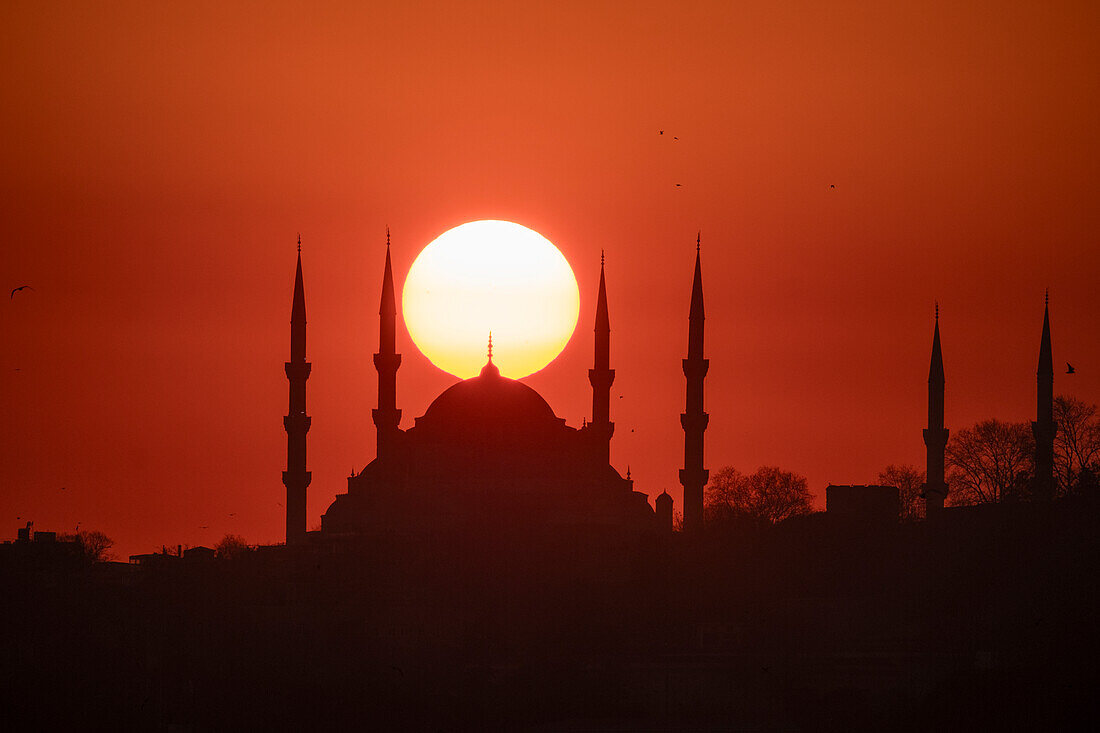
x=487, y=276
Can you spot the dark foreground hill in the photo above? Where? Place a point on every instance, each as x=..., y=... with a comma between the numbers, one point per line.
x=983, y=620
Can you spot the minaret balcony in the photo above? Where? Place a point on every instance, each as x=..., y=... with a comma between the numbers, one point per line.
x=387, y=362
x=694, y=477
x=694, y=422
x=386, y=419
x=297, y=423
x=297, y=479
x=601, y=378
x=696, y=368
x=298, y=369
x=935, y=437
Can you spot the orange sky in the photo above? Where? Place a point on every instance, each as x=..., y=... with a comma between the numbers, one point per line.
x=159, y=159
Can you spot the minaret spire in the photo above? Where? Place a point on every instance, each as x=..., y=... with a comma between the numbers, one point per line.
x=296, y=423
x=1044, y=427
x=601, y=376
x=694, y=421
x=934, y=490
x=386, y=416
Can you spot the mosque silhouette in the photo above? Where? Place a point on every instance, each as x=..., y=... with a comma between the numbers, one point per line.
x=489, y=450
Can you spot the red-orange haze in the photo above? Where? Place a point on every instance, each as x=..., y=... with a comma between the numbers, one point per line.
x=159, y=159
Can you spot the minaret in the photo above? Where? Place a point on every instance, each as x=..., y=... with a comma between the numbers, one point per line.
x=601, y=376
x=693, y=476
x=934, y=490
x=1044, y=426
x=296, y=478
x=386, y=361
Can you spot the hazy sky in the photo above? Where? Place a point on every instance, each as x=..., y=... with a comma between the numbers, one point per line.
x=159, y=160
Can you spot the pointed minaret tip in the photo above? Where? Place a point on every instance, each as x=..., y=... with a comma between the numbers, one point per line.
x=490, y=345
x=697, y=286
x=601, y=259
x=299, y=243
x=698, y=240
x=937, y=311
x=387, y=236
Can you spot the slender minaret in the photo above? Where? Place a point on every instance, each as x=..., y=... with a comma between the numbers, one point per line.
x=1044, y=426
x=693, y=476
x=296, y=478
x=934, y=490
x=600, y=377
x=386, y=361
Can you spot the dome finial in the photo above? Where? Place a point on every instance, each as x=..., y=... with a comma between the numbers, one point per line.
x=628, y=472
x=490, y=369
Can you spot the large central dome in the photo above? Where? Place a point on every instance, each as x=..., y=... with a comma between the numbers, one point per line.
x=488, y=399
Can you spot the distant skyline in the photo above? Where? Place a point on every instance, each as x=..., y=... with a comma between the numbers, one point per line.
x=847, y=167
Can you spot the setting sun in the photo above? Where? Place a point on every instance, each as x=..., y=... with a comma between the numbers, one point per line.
x=487, y=276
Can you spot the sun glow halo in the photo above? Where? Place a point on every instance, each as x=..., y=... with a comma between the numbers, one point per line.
x=487, y=276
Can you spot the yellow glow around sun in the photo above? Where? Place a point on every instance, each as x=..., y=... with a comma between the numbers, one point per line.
x=490, y=276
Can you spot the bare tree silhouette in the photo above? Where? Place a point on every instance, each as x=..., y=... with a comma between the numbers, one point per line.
x=769, y=494
x=990, y=462
x=231, y=546
x=1076, y=444
x=908, y=480
x=94, y=545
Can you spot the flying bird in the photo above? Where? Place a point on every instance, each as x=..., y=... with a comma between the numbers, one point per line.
x=678, y=185
x=1070, y=369
x=660, y=132
x=832, y=185
x=232, y=514
x=675, y=138
x=21, y=287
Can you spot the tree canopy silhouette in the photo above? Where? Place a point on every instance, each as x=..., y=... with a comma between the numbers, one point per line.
x=989, y=463
x=1076, y=445
x=94, y=545
x=769, y=495
x=231, y=546
x=908, y=480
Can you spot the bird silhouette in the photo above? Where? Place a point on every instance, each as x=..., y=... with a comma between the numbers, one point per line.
x=62, y=488
x=677, y=185
x=660, y=132
x=832, y=185
x=204, y=527
x=21, y=287
x=232, y=514
x=675, y=138
x=1070, y=369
